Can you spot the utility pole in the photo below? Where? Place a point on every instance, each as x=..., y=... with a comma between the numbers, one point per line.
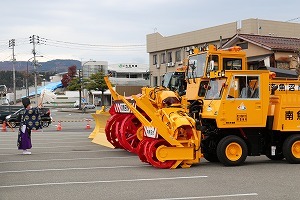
x=34, y=39
x=80, y=89
x=11, y=44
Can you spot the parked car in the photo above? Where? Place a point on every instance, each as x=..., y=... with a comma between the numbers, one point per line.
x=8, y=110
x=88, y=106
x=76, y=104
x=15, y=118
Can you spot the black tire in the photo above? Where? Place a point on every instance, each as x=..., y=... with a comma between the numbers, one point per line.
x=211, y=157
x=232, y=151
x=291, y=149
x=45, y=123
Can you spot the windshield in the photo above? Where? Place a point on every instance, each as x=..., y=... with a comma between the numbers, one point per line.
x=167, y=79
x=215, y=89
x=175, y=81
x=197, y=65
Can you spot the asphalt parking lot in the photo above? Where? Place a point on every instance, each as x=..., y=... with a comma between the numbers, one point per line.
x=66, y=165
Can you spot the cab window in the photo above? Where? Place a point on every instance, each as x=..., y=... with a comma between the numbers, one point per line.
x=215, y=89
x=232, y=63
x=213, y=63
x=244, y=87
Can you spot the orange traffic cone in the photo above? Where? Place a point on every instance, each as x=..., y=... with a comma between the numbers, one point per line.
x=4, y=126
x=58, y=126
x=88, y=126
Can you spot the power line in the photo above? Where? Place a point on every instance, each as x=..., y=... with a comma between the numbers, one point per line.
x=92, y=49
x=92, y=45
x=6, y=58
x=22, y=42
x=74, y=45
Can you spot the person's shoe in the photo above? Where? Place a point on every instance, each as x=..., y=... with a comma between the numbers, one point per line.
x=25, y=152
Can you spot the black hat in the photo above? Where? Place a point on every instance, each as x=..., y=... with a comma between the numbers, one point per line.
x=25, y=102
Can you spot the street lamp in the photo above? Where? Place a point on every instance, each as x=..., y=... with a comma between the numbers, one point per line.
x=27, y=89
x=80, y=77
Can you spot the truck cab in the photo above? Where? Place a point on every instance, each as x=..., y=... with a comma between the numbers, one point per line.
x=211, y=59
x=240, y=98
x=246, y=114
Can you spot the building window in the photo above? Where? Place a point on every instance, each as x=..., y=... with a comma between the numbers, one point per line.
x=155, y=81
x=161, y=80
x=154, y=59
x=131, y=76
x=178, y=56
x=169, y=57
x=163, y=58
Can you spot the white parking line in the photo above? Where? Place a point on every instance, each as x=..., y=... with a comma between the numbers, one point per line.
x=43, y=143
x=103, y=181
x=47, y=139
x=74, y=168
x=53, y=134
x=210, y=197
x=52, y=147
x=64, y=152
x=72, y=159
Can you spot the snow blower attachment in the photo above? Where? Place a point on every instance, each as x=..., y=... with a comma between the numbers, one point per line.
x=154, y=126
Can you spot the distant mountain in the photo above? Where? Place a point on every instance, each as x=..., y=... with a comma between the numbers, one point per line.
x=49, y=66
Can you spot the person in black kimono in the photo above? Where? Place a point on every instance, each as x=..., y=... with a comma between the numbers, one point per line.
x=31, y=119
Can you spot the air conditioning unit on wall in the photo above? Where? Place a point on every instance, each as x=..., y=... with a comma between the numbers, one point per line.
x=170, y=64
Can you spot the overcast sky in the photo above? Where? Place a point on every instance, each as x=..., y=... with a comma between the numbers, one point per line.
x=115, y=30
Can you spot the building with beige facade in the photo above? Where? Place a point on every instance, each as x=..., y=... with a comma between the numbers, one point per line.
x=255, y=36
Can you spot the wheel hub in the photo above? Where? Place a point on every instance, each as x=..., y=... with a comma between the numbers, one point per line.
x=234, y=151
x=296, y=149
